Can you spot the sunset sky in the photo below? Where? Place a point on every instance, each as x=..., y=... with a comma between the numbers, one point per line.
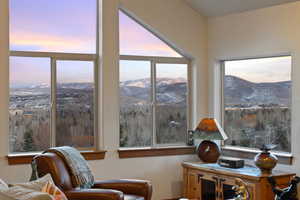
x=68, y=26
x=274, y=69
x=55, y=25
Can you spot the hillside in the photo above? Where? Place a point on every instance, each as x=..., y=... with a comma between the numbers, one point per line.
x=168, y=91
x=241, y=92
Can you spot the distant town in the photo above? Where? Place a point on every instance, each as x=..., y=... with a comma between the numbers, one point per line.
x=30, y=116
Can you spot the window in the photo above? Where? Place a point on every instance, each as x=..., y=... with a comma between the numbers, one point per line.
x=52, y=74
x=257, y=102
x=171, y=103
x=135, y=103
x=30, y=99
x=153, y=90
x=136, y=40
x=52, y=26
x=75, y=103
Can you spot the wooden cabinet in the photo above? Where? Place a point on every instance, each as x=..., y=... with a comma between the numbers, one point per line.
x=213, y=182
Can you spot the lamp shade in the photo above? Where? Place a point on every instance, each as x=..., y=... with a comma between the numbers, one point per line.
x=209, y=129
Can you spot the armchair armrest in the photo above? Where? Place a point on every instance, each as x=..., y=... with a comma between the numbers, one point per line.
x=94, y=194
x=128, y=186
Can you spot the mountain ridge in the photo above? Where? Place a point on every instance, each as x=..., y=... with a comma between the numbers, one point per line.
x=242, y=92
x=238, y=92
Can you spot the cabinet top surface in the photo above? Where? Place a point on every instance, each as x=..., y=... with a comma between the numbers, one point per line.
x=247, y=171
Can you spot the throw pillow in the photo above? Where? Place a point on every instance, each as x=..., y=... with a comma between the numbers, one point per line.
x=37, y=184
x=3, y=185
x=54, y=191
x=21, y=193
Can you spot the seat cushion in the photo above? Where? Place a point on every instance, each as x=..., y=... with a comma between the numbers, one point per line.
x=133, y=197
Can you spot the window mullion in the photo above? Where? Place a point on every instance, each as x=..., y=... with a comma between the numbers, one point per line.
x=222, y=74
x=189, y=99
x=153, y=95
x=53, y=102
x=221, y=93
x=97, y=143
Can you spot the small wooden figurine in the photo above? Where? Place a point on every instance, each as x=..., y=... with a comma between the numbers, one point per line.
x=241, y=190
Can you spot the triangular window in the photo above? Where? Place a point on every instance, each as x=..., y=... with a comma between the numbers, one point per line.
x=137, y=40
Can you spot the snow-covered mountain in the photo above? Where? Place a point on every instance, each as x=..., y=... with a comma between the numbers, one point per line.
x=78, y=86
x=146, y=83
x=169, y=90
x=141, y=83
x=173, y=90
x=239, y=91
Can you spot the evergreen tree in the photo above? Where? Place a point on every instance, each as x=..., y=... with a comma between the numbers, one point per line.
x=28, y=141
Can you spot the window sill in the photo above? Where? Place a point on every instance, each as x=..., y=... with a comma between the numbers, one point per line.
x=26, y=158
x=155, y=151
x=283, y=158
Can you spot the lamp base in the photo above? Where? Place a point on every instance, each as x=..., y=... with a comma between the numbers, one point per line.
x=208, y=151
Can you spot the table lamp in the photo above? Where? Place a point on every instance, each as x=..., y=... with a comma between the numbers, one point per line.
x=209, y=129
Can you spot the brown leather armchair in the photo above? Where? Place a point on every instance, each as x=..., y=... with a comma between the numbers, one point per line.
x=102, y=190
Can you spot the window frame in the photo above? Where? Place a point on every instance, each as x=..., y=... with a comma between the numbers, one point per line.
x=245, y=152
x=54, y=57
x=60, y=56
x=154, y=60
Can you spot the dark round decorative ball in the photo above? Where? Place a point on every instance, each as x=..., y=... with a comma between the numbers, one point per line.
x=208, y=151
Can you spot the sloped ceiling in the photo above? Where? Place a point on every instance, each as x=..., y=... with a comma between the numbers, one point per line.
x=212, y=8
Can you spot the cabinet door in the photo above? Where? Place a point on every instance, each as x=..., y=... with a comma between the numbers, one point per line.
x=210, y=187
x=201, y=186
x=193, y=185
x=226, y=188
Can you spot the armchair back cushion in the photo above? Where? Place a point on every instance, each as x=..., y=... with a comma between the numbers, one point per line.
x=50, y=163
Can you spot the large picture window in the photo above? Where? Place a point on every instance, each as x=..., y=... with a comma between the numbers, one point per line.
x=257, y=102
x=153, y=89
x=53, y=82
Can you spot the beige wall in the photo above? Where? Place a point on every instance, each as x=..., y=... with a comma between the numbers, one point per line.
x=179, y=25
x=264, y=32
x=3, y=83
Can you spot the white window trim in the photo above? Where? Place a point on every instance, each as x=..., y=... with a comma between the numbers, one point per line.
x=154, y=60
